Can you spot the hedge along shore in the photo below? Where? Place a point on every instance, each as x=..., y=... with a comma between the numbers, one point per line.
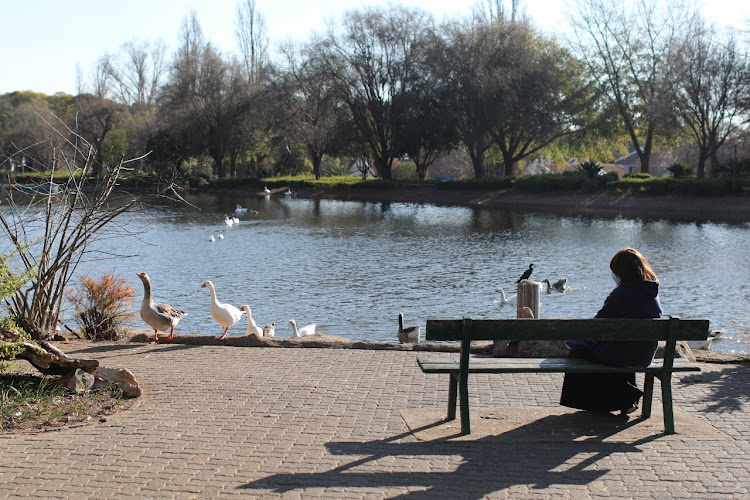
x=678, y=207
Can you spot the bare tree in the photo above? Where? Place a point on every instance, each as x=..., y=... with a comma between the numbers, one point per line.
x=628, y=48
x=100, y=80
x=52, y=231
x=708, y=93
x=252, y=40
x=136, y=72
x=206, y=96
x=494, y=10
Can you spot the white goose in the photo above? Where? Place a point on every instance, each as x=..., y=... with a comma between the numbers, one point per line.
x=212, y=239
x=302, y=332
x=156, y=315
x=235, y=220
x=252, y=328
x=221, y=235
x=240, y=209
x=509, y=299
x=226, y=315
x=269, y=330
x=228, y=221
x=409, y=334
x=266, y=191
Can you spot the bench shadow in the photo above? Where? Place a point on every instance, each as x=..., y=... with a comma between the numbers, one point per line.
x=728, y=388
x=488, y=464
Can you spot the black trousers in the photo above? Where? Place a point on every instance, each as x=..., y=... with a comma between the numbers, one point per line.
x=599, y=391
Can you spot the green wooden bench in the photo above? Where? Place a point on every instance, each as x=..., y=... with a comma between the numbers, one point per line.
x=467, y=330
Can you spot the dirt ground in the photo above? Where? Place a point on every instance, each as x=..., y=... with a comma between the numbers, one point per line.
x=724, y=208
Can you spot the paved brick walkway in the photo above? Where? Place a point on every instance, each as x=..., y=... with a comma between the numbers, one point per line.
x=264, y=422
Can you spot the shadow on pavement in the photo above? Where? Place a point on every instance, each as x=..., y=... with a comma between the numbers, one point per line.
x=728, y=388
x=488, y=464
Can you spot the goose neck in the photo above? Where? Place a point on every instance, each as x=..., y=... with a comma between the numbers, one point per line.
x=147, y=292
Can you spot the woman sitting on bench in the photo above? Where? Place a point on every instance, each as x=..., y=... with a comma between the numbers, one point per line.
x=635, y=296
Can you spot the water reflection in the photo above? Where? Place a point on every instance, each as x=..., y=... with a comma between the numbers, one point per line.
x=351, y=267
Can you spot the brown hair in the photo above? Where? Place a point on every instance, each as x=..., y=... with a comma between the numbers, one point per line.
x=631, y=267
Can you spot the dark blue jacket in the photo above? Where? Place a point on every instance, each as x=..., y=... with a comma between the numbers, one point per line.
x=640, y=301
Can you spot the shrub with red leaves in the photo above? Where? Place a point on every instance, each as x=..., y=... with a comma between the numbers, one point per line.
x=102, y=306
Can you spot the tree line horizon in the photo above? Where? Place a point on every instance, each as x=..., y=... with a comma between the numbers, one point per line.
x=390, y=82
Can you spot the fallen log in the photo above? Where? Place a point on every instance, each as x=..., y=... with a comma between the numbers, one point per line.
x=47, y=358
x=50, y=360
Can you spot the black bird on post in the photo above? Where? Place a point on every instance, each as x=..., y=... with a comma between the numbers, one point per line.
x=526, y=273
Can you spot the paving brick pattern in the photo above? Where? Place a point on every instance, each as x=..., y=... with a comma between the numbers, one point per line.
x=262, y=422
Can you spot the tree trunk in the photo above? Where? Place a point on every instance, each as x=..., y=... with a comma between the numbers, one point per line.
x=47, y=358
x=477, y=161
x=645, y=154
x=508, y=163
x=383, y=167
x=702, y=163
x=645, y=158
x=423, y=166
x=218, y=157
x=316, y=160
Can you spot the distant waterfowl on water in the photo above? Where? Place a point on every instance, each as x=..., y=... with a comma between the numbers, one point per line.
x=211, y=238
x=558, y=286
x=304, y=331
x=226, y=315
x=240, y=209
x=228, y=221
x=506, y=299
x=158, y=316
x=221, y=235
x=410, y=334
x=266, y=190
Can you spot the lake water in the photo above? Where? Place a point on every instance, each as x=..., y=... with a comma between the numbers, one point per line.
x=351, y=267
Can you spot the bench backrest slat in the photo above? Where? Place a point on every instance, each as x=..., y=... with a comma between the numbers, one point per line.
x=565, y=329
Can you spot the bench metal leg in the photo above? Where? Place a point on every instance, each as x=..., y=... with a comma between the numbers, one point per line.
x=648, y=395
x=463, y=393
x=452, y=393
x=666, y=396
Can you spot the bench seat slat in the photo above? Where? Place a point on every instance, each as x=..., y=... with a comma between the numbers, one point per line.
x=544, y=365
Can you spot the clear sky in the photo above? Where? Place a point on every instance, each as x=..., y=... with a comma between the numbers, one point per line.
x=42, y=41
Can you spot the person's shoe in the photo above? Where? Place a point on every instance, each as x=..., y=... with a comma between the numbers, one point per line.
x=628, y=411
